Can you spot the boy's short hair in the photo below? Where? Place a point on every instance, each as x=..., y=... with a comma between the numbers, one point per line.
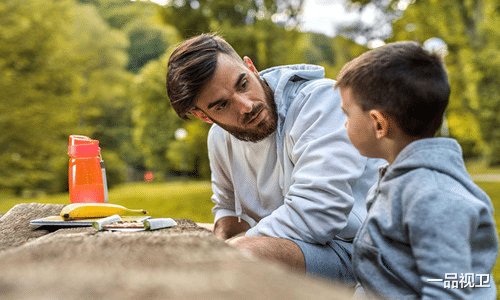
x=191, y=65
x=402, y=80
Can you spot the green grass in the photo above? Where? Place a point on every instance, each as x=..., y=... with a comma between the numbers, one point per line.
x=475, y=167
x=180, y=199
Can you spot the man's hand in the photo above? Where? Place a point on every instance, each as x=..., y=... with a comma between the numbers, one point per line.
x=227, y=227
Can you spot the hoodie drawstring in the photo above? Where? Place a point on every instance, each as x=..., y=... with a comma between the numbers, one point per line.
x=238, y=209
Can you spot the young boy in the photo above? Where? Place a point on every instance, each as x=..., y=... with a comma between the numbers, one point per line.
x=430, y=231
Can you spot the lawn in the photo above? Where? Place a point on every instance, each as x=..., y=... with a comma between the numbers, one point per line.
x=481, y=167
x=191, y=200
x=180, y=199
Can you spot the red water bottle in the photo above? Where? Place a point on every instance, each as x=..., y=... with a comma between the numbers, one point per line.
x=86, y=175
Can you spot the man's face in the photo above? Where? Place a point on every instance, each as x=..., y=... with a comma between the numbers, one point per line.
x=359, y=125
x=238, y=100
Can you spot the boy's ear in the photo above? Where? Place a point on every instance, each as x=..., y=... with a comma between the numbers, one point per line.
x=201, y=115
x=250, y=64
x=380, y=123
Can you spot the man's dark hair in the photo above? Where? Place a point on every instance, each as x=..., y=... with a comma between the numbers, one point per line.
x=404, y=81
x=191, y=65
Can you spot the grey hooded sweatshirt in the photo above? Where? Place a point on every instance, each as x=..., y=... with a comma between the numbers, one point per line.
x=304, y=182
x=429, y=232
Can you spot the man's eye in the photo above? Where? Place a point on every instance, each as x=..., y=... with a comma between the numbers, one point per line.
x=221, y=106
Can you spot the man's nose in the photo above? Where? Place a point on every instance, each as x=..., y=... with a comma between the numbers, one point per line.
x=245, y=105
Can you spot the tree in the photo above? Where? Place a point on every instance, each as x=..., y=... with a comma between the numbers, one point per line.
x=120, y=13
x=155, y=120
x=469, y=27
x=189, y=155
x=374, y=19
x=37, y=89
x=193, y=17
x=488, y=60
x=139, y=20
x=64, y=73
x=104, y=104
x=148, y=41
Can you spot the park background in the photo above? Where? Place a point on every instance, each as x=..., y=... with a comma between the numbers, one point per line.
x=97, y=68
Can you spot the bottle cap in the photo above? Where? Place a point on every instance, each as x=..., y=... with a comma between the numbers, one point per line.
x=82, y=146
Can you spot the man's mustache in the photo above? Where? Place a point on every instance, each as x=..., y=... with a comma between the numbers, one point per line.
x=248, y=117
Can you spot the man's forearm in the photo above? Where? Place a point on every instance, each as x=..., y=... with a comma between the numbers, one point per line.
x=228, y=227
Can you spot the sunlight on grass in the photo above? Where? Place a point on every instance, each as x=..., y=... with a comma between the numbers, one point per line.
x=481, y=167
x=182, y=200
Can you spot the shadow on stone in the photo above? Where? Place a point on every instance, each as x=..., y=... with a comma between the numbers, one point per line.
x=184, y=262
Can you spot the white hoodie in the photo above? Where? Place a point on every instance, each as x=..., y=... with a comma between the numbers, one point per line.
x=306, y=181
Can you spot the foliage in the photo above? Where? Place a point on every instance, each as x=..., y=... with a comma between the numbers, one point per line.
x=464, y=98
x=37, y=89
x=258, y=42
x=148, y=41
x=64, y=65
x=55, y=57
x=103, y=106
x=119, y=13
x=193, y=17
x=470, y=29
x=155, y=121
x=344, y=50
x=189, y=155
x=487, y=47
x=65, y=70
x=373, y=19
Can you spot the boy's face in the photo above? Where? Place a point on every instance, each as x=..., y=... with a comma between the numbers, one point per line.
x=237, y=99
x=360, y=126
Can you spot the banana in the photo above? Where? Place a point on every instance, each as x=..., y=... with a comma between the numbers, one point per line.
x=95, y=210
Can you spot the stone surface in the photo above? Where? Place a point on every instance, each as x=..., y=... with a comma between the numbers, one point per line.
x=184, y=262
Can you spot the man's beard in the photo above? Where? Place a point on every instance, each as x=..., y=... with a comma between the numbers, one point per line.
x=265, y=128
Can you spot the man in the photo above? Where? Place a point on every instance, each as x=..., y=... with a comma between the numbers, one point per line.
x=284, y=173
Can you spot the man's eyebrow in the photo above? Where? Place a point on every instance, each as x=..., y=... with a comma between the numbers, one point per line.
x=236, y=85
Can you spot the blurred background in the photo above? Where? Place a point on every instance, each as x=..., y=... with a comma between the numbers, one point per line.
x=97, y=68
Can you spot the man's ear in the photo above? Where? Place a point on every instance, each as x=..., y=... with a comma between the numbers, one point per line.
x=201, y=115
x=250, y=64
x=380, y=123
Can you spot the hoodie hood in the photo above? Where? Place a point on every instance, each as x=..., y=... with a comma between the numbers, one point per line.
x=284, y=81
x=280, y=79
x=443, y=155
x=426, y=217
